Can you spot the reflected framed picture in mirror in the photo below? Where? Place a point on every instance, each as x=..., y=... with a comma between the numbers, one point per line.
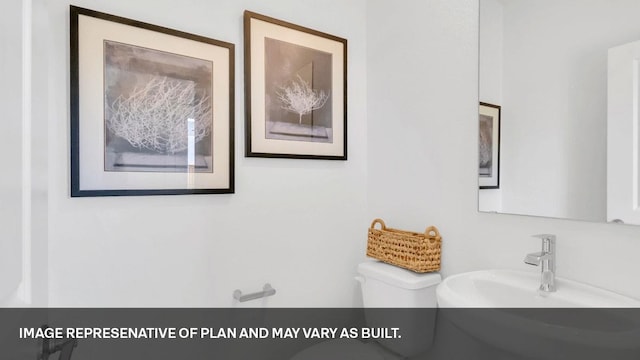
x=489, y=146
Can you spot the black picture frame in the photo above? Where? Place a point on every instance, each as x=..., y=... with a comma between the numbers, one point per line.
x=489, y=146
x=152, y=109
x=295, y=91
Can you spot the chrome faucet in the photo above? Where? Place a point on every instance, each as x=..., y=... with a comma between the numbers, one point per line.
x=546, y=258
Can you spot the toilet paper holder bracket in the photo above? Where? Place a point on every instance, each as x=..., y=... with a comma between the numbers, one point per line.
x=267, y=290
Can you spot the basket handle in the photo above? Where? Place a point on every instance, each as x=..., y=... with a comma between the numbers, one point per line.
x=432, y=231
x=378, y=221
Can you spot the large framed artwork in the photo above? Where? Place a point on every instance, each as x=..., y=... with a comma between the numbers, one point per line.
x=295, y=91
x=489, y=146
x=151, y=109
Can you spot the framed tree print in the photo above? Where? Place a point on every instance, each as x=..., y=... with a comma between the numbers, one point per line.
x=489, y=146
x=151, y=109
x=295, y=91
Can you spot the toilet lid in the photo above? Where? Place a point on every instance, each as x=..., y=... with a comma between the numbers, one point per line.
x=343, y=349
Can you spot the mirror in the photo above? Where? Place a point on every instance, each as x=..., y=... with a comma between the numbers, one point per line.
x=545, y=64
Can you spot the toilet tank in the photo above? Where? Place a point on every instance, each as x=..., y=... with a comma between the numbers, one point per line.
x=399, y=298
x=388, y=286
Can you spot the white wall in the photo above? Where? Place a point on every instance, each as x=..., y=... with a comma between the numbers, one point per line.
x=422, y=153
x=555, y=103
x=297, y=224
x=422, y=112
x=23, y=181
x=11, y=147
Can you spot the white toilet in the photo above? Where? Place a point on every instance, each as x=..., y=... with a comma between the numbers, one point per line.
x=387, y=286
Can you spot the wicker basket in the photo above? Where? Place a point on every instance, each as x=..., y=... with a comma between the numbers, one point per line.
x=419, y=252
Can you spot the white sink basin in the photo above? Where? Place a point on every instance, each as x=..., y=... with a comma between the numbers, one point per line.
x=505, y=310
x=519, y=289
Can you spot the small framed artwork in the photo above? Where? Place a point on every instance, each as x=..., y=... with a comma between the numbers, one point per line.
x=489, y=146
x=295, y=91
x=151, y=109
